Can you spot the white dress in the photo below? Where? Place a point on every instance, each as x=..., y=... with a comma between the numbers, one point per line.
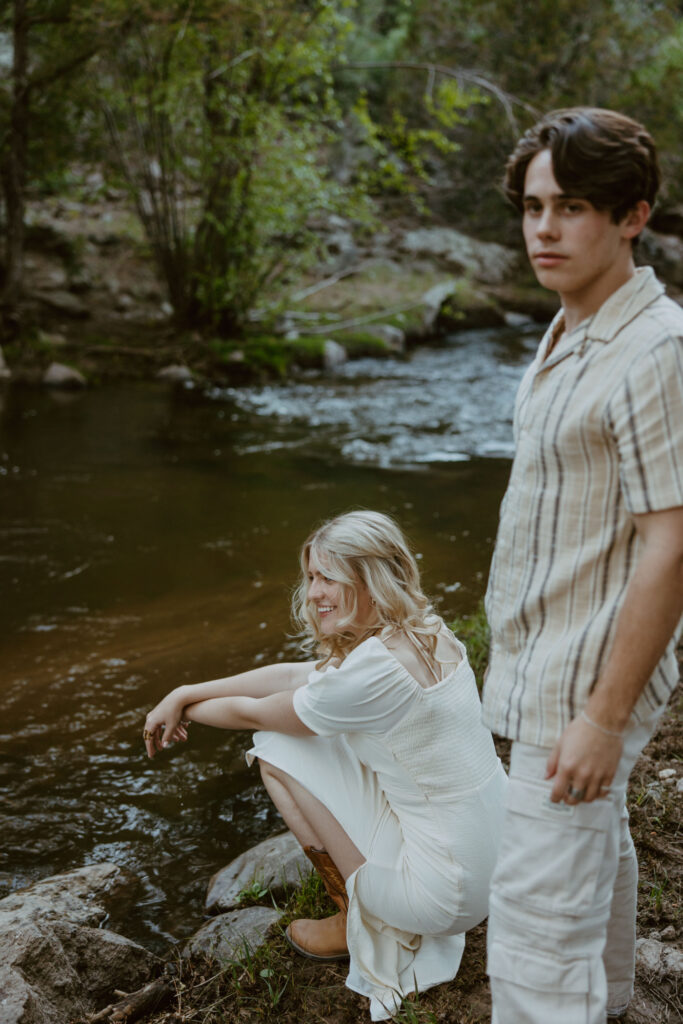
x=412, y=776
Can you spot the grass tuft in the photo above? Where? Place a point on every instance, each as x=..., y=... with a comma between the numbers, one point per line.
x=474, y=632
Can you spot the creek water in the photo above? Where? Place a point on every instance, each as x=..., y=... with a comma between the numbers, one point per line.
x=149, y=537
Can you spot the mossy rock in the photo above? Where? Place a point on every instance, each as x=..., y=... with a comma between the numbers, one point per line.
x=530, y=299
x=359, y=344
x=467, y=308
x=267, y=355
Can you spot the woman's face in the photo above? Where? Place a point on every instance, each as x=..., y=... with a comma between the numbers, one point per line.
x=327, y=597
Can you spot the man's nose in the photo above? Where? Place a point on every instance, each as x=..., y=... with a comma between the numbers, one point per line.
x=547, y=224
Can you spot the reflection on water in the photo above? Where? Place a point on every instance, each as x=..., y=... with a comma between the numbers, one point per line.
x=149, y=537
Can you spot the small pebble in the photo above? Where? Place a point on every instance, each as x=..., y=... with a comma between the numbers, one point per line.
x=667, y=773
x=679, y=786
x=668, y=933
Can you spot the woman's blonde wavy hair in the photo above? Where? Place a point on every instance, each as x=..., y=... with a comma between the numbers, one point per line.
x=367, y=548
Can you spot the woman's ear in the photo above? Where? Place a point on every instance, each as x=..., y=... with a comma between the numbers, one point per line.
x=635, y=220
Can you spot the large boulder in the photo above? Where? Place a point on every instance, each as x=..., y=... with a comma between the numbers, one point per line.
x=226, y=937
x=457, y=305
x=487, y=262
x=57, y=962
x=274, y=864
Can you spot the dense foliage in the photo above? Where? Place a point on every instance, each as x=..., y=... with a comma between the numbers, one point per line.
x=237, y=127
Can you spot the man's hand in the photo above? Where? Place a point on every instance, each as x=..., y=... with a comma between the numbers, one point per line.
x=583, y=761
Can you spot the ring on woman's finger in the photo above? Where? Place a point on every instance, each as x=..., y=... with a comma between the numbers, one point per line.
x=575, y=794
x=147, y=735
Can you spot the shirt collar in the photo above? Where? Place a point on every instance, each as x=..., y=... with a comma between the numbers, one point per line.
x=623, y=306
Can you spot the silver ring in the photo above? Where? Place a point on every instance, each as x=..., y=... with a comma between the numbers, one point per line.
x=576, y=794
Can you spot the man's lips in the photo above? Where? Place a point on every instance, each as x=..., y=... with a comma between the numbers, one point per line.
x=548, y=258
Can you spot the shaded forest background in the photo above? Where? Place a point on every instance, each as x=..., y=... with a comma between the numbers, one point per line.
x=236, y=129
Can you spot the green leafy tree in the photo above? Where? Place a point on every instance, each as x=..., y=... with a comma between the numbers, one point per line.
x=549, y=54
x=221, y=114
x=48, y=43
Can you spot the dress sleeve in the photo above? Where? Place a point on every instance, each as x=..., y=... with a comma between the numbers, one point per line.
x=647, y=420
x=369, y=692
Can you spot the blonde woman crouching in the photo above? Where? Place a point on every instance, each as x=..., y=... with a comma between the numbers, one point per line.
x=376, y=758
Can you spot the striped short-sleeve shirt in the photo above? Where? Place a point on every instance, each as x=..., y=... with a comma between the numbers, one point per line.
x=599, y=437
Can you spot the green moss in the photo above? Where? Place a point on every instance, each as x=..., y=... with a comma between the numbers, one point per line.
x=269, y=355
x=360, y=343
x=475, y=633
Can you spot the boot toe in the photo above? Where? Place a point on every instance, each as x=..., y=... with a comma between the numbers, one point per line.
x=319, y=940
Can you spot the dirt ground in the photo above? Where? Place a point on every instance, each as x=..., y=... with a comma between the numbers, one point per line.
x=273, y=984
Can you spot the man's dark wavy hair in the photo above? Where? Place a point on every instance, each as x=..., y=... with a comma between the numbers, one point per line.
x=599, y=155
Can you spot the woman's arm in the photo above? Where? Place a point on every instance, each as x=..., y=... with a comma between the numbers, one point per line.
x=275, y=713
x=258, y=683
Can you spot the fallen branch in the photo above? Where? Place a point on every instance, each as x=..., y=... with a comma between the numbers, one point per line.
x=357, y=321
x=134, y=1005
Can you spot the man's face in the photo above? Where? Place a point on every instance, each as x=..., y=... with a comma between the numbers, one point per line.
x=574, y=249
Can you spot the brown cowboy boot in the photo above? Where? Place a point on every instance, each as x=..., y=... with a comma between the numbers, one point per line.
x=324, y=939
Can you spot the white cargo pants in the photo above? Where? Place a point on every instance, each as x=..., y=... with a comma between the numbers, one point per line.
x=562, y=924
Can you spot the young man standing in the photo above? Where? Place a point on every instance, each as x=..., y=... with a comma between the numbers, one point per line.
x=586, y=586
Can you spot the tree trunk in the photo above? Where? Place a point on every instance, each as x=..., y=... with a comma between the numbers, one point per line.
x=14, y=172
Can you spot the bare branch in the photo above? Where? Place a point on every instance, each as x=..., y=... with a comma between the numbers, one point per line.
x=506, y=99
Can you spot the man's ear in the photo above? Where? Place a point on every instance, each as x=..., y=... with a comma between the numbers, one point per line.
x=636, y=219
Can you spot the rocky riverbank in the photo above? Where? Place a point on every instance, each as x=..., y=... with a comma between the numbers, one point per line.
x=96, y=310
x=61, y=964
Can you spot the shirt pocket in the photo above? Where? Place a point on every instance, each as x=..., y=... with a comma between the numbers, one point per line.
x=551, y=854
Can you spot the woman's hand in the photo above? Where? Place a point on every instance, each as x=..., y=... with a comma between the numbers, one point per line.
x=164, y=724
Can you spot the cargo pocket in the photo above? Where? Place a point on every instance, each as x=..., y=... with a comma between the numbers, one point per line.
x=529, y=986
x=551, y=854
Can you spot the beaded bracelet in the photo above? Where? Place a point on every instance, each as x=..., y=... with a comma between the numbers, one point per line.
x=600, y=728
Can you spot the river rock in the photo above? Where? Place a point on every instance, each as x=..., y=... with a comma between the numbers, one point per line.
x=654, y=956
x=340, y=243
x=65, y=303
x=334, y=355
x=457, y=305
x=664, y=253
x=5, y=372
x=224, y=937
x=56, y=962
x=275, y=863
x=393, y=337
x=487, y=262
x=58, y=375
x=176, y=372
